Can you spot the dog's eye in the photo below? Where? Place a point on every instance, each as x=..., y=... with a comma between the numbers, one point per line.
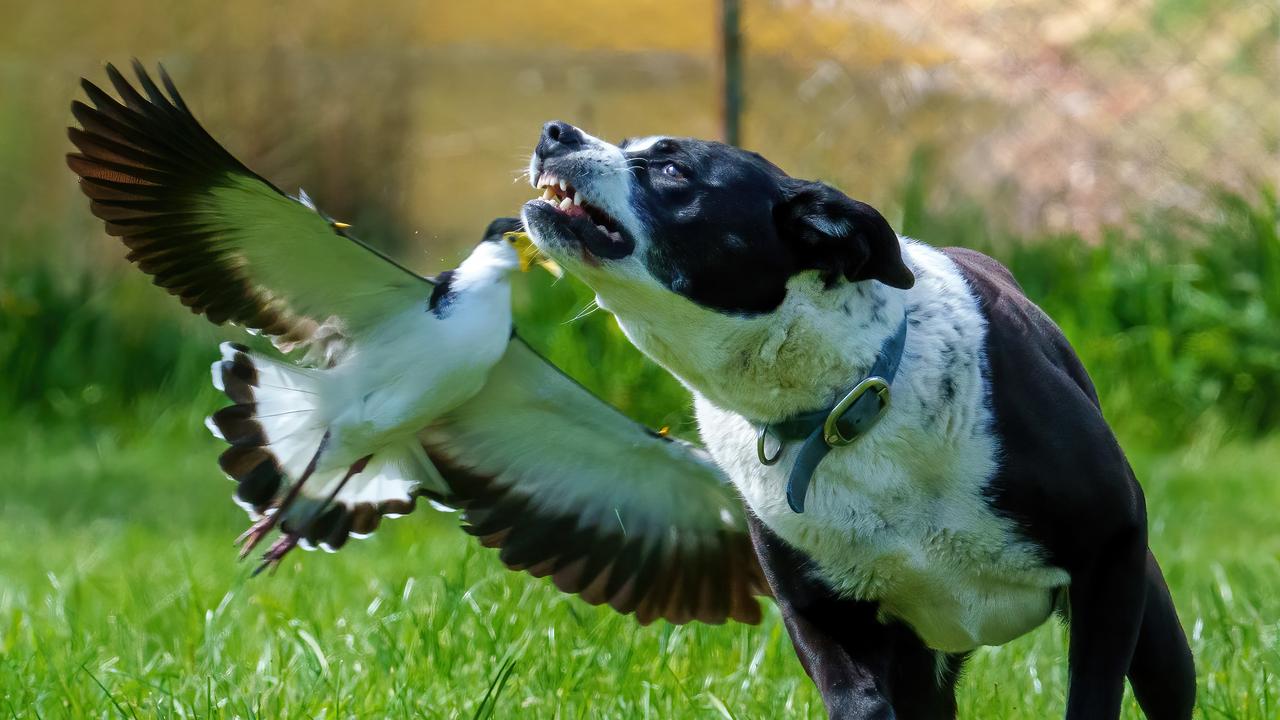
x=673, y=171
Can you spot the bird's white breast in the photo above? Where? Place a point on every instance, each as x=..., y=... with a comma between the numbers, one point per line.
x=900, y=517
x=415, y=367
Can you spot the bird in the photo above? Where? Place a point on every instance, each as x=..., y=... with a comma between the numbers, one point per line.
x=387, y=386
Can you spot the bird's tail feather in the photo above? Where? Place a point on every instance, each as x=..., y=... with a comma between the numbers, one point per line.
x=388, y=486
x=274, y=431
x=273, y=427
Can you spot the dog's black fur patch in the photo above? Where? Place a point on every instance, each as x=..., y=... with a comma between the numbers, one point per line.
x=730, y=228
x=1068, y=485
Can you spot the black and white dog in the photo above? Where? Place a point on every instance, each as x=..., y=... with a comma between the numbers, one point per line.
x=989, y=494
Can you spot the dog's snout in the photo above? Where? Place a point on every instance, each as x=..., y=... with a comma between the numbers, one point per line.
x=559, y=137
x=562, y=132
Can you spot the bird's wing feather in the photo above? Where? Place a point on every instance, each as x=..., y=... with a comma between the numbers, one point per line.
x=227, y=242
x=567, y=486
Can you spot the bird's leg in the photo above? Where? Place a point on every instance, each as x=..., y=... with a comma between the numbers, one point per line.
x=289, y=540
x=355, y=469
x=256, y=532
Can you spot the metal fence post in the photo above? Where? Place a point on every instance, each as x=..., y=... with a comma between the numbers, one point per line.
x=730, y=71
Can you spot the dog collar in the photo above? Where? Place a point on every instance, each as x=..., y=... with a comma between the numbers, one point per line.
x=837, y=426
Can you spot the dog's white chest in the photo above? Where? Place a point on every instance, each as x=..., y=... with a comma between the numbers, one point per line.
x=925, y=546
x=900, y=516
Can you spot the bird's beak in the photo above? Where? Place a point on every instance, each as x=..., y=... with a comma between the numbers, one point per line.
x=531, y=255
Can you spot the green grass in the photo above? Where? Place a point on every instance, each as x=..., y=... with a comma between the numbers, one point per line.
x=120, y=597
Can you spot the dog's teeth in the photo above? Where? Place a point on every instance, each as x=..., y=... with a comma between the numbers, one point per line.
x=566, y=203
x=577, y=198
x=564, y=185
x=615, y=237
x=603, y=230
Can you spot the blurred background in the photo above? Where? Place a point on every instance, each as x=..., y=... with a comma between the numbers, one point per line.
x=1120, y=157
x=1128, y=150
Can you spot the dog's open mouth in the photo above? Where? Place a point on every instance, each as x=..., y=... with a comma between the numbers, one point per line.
x=599, y=233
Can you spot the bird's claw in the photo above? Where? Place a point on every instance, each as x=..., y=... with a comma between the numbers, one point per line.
x=249, y=539
x=274, y=554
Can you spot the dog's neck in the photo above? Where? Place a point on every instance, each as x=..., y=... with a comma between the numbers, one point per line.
x=801, y=357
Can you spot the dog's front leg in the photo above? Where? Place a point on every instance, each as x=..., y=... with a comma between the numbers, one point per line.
x=1107, y=597
x=839, y=642
x=852, y=688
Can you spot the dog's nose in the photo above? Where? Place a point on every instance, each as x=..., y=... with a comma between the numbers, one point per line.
x=559, y=138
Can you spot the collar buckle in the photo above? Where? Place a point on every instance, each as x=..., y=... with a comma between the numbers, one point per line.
x=822, y=430
x=831, y=426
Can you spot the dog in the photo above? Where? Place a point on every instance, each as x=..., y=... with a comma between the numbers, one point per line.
x=981, y=493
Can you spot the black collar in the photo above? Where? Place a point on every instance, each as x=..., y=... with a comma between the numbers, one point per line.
x=838, y=425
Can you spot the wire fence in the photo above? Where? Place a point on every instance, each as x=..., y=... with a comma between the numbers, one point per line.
x=1068, y=116
x=409, y=121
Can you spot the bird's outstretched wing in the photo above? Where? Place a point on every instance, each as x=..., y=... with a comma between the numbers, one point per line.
x=227, y=242
x=567, y=486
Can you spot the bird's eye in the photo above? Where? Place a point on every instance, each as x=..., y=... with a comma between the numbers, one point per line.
x=673, y=171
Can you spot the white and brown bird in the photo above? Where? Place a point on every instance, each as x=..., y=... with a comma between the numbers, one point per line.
x=402, y=386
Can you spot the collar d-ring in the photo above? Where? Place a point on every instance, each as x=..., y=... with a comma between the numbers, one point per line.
x=762, y=453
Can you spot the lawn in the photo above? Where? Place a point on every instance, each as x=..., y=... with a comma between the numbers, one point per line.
x=120, y=596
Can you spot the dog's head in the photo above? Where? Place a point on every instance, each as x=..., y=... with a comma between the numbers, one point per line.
x=719, y=226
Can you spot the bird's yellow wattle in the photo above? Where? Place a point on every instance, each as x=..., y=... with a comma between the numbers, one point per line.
x=531, y=255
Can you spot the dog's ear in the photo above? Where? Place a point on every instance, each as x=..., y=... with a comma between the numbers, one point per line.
x=839, y=236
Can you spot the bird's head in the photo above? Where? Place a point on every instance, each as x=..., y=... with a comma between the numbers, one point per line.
x=495, y=251
x=506, y=248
